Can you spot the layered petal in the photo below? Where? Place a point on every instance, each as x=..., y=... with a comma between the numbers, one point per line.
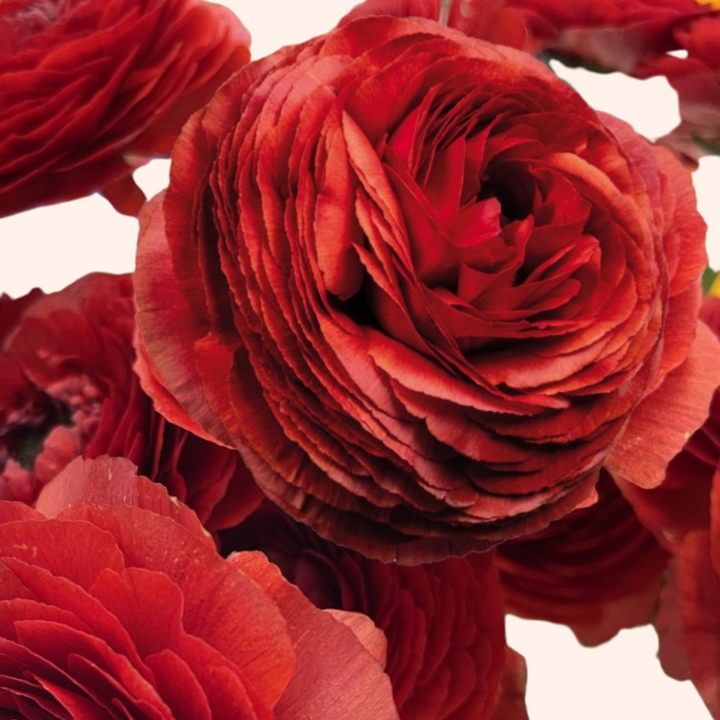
x=118, y=605
x=425, y=323
x=92, y=90
x=446, y=655
x=68, y=389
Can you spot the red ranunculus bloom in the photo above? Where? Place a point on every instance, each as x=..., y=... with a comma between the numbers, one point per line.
x=637, y=37
x=684, y=514
x=697, y=81
x=492, y=20
x=444, y=622
x=425, y=289
x=68, y=389
x=114, y=603
x=597, y=570
x=89, y=89
x=615, y=35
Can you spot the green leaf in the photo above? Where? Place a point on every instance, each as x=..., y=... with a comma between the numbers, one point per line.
x=708, y=279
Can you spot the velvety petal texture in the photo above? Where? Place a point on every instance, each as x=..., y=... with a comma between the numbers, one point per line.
x=444, y=624
x=641, y=38
x=423, y=288
x=114, y=603
x=492, y=20
x=597, y=570
x=684, y=515
x=90, y=89
x=67, y=388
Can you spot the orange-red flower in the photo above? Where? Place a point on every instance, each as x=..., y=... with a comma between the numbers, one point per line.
x=425, y=289
x=114, y=603
x=68, y=389
x=90, y=89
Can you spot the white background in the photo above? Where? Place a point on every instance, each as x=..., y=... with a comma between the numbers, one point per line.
x=51, y=247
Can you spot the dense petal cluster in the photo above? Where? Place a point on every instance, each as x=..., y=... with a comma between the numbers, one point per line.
x=114, y=603
x=597, y=570
x=641, y=38
x=684, y=514
x=90, y=89
x=492, y=20
x=68, y=389
x=611, y=34
x=425, y=289
x=446, y=652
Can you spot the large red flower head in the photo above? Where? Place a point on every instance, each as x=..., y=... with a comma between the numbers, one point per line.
x=114, y=604
x=423, y=287
x=68, y=389
x=89, y=89
x=444, y=622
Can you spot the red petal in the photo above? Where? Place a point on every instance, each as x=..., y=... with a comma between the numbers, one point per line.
x=114, y=482
x=661, y=425
x=340, y=675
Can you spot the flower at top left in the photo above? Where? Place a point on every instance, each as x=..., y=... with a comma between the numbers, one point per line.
x=67, y=388
x=91, y=89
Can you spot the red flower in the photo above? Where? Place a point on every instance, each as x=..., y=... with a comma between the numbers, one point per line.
x=425, y=289
x=491, y=20
x=90, y=89
x=444, y=622
x=615, y=35
x=597, y=570
x=697, y=81
x=68, y=389
x=114, y=603
x=684, y=514
x=637, y=37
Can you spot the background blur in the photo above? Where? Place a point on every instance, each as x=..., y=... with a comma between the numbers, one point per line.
x=51, y=247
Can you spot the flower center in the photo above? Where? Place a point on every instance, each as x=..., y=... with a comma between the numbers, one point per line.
x=712, y=4
x=24, y=442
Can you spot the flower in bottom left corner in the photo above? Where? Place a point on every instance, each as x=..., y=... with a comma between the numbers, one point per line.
x=115, y=604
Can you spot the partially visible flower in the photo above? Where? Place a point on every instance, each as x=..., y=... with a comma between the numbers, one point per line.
x=641, y=38
x=492, y=20
x=613, y=35
x=90, y=89
x=114, y=603
x=444, y=622
x=67, y=388
x=697, y=81
x=425, y=289
x=597, y=570
x=684, y=514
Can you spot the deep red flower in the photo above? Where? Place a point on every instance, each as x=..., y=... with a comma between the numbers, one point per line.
x=615, y=35
x=444, y=622
x=697, y=81
x=684, y=514
x=67, y=388
x=597, y=570
x=425, y=289
x=90, y=89
x=114, y=603
x=637, y=37
x=492, y=20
